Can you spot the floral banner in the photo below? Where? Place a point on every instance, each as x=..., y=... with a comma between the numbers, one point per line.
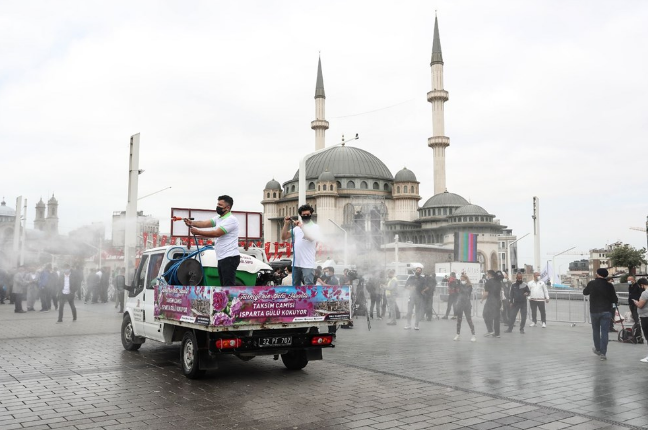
x=241, y=306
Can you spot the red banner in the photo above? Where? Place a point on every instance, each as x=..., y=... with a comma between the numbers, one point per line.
x=155, y=238
x=145, y=237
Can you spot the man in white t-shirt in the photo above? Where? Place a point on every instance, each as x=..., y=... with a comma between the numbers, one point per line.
x=224, y=228
x=305, y=236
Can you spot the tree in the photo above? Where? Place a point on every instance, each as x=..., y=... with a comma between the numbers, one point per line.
x=627, y=256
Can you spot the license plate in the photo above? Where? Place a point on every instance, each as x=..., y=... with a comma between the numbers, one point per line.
x=275, y=341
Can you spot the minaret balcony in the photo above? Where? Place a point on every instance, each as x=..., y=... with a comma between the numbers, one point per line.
x=437, y=95
x=438, y=141
x=320, y=124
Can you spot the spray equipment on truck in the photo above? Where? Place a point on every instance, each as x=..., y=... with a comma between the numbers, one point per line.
x=184, y=269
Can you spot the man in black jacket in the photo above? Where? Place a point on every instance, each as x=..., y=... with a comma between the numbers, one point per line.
x=634, y=293
x=518, y=302
x=602, y=300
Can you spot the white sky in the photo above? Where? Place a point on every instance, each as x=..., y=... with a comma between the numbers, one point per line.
x=547, y=98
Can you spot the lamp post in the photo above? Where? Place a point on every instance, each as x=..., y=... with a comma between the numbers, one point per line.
x=396, y=248
x=302, y=169
x=553, y=261
x=346, y=243
x=508, y=252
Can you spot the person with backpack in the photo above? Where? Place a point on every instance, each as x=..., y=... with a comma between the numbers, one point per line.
x=518, y=303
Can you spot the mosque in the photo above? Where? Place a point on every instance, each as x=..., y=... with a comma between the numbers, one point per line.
x=357, y=191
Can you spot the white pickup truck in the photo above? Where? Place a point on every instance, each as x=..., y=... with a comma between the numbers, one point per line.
x=244, y=320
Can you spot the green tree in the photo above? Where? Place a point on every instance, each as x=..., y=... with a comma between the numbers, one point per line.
x=627, y=256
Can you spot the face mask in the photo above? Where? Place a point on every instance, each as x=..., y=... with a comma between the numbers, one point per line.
x=306, y=218
x=220, y=210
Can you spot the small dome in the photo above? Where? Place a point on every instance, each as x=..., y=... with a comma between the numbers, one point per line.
x=470, y=210
x=40, y=203
x=445, y=199
x=326, y=176
x=405, y=175
x=273, y=185
x=6, y=210
x=52, y=200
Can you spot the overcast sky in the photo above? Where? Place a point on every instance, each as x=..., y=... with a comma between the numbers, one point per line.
x=547, y=99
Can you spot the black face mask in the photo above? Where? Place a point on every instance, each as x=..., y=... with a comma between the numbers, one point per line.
x=220, y=210
x=306, y=218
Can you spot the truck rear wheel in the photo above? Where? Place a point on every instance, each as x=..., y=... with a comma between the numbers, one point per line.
x=189, y=356
x=128, y=335
x=295, y=360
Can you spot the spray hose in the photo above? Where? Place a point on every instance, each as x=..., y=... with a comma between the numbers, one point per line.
x=171, y=273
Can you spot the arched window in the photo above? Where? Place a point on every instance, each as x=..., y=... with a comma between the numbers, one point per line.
x=319, y=187
x=350, y=184
x=274, y=195
x=364, y=185
x=398, y=189
x=385, y=187
x=405, y=189
x=292, y=189
x=324, y=187
x=339, y=184
x=268, y=195
x=445, y=211
x=376, y=186
x=311, y=186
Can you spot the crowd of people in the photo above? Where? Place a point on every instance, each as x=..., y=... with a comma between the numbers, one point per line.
x=50, y=286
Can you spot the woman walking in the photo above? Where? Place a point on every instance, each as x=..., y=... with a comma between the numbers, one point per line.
x=463, y=306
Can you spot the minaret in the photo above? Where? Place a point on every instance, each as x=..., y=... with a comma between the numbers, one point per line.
x=320, y=125
x=438, y=96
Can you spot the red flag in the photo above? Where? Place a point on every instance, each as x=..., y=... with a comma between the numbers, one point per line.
x=267, y=250
x=163, y=240
x=155, y=237
x=145, y=237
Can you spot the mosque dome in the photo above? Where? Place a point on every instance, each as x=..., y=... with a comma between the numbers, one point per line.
x=471, y=210
x=405, y=175
x=326, y=176
x=6, y=210
x=346, y=161
x=273, y=185
x=445, y=199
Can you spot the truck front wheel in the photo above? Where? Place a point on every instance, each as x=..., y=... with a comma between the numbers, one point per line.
x=189, y=356
x=295, y=360
x=128, y=335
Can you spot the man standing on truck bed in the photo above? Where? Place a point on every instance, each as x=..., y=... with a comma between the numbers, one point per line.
x=305, y=233
x=226, y=235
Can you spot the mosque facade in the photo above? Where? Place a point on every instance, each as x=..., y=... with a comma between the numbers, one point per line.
x=353, y=190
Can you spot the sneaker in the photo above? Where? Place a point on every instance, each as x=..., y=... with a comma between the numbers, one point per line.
x=416, y=327
x=453, y=318
x=498, y=336
x=644, y=360
x=508, y=330
x=444, y=318
x=602, y=357
x=521, y=331
x=407, y=327
x=596, y=351
x=489, y=334
x=473, y=338
x=389, y=323
x=544, y=325
x=59, y=321
x=457, y=337
x=532, y=324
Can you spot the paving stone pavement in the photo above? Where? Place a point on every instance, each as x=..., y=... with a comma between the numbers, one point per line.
x=76, y=375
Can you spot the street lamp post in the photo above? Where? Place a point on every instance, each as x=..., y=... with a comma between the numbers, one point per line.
x=508, y=252
x=553, y=262
x=346, y=243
